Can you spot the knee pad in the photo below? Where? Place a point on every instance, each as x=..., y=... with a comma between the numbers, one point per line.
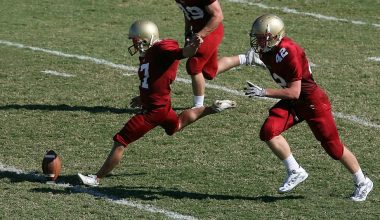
x=334, y=148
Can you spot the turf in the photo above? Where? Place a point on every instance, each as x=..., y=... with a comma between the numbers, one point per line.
x=215, y=169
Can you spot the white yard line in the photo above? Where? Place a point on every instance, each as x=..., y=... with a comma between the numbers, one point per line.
x=314, y=15
x=355, y=119
x=94, y=192
x=55, y=73
x=294, y=11
x=340, y=115
x=374, y=58
x=61, y=54
x=130, y=74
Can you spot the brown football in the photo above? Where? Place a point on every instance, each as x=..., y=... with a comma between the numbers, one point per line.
x=51, y=165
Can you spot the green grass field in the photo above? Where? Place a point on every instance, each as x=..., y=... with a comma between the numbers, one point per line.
x=215, y=169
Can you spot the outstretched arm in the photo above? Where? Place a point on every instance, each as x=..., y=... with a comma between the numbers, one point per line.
x=293, y=91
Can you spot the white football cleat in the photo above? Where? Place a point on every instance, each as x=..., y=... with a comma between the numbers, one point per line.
x=252, y=58
x=90, y=180
x=221, y=105
x=292, y=179
x=362, y=190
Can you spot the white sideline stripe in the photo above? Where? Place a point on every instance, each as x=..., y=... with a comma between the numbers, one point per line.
x=354, y=119
x=294, y=11
x=374, y=58
x=55, y=73
x=113, y=199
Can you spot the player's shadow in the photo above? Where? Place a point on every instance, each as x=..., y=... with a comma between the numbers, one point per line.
x=35, y=176
x=67, y=184
x=64, y=107
x=155, y=193
x=73, y=180
x=15, y=176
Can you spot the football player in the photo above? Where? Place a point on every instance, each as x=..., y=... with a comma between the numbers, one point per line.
x=204, y=18
x=302, y=99
x=159, y=61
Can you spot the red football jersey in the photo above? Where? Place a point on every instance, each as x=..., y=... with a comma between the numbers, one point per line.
x=287, y=62
x=157, y=70
x=195, y=12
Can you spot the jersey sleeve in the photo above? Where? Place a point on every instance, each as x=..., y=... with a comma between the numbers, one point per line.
x=171, y=50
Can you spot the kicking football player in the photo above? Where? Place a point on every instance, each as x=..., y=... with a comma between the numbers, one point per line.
x=301, y=100
x=159, y=60
x=204, y=17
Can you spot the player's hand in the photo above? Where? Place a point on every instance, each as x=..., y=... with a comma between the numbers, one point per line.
x=252, y=90
x=196, y=40
x=135, y=102
x=253, y=59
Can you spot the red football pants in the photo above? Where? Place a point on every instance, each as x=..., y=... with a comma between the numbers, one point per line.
x=206, y=59
x=142, y=123
x=316, y=112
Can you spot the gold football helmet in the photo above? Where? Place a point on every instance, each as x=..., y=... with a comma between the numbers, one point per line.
x=267, y=31
x=143, y=34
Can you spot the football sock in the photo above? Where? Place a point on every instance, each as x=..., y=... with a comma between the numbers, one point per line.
x=198, y=100
x=358, y=176
x=242, y=59
x=291, y=163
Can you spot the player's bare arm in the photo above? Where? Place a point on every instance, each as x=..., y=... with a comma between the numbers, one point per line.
x=293, y=91
x=216, y=13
